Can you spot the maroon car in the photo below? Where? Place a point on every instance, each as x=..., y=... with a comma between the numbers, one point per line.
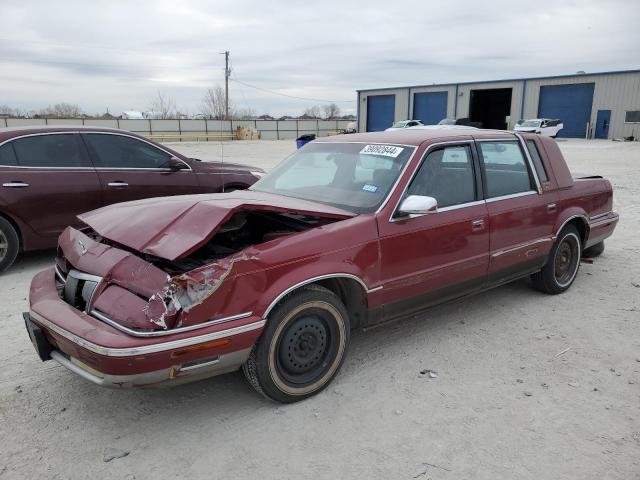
x=50, y=175
x=348, y=232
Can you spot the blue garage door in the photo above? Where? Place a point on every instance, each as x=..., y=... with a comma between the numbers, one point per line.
x=569, y=103
x=430, y=107
x=380, y=112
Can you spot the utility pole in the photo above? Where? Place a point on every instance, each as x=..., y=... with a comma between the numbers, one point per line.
x=227, y=73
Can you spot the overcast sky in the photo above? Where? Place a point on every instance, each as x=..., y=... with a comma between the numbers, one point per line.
x=118, y=54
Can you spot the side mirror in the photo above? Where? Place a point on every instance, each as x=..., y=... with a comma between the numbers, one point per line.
x=176, y=164
x=416, y=205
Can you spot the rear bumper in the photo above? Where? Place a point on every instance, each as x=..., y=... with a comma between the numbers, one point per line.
x=106, y=356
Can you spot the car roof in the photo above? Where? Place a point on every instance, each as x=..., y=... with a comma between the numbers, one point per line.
x=416, y=136
x=11, y=132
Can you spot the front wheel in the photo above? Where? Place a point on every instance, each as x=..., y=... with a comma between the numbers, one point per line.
x=562, y=265
x=302, y=347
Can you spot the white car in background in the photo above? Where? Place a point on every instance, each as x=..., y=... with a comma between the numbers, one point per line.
x=405, y=124
x=543, y=126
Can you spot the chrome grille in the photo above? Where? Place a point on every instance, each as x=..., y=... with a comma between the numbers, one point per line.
x=79, y=288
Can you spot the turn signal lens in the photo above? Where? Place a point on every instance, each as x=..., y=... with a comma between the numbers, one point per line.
x=200, y=347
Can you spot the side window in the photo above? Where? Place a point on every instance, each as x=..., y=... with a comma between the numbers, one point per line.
x=118, y=151
x=7, y=155
x=57, y=150
x=446, y=175
x=505, y=168
x=537, y=161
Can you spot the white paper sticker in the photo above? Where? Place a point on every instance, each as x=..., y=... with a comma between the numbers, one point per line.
x=383, y=150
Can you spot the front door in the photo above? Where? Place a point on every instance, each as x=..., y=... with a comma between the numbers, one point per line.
x=131, y=169
x=431, y=258
x=47, y=180
x=602, y=124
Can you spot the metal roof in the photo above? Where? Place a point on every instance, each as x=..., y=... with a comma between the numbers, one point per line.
x=614, y=72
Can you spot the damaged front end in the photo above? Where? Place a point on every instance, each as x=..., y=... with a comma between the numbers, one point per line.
x=168, y=295
x=143, y=293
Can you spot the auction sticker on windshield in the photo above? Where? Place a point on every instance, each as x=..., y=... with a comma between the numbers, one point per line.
x=384, y=150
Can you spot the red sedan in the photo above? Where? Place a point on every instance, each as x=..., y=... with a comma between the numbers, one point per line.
x=51, y=174
x=348, y=232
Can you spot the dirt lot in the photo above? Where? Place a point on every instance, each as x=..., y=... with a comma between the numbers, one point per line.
x=507, y=402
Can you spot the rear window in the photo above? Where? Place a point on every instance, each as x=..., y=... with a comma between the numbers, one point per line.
x=537, y=161
x=7, y=155
x=58, y=150
x=505, y=168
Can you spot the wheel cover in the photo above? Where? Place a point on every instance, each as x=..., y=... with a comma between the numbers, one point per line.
x=567, y=260
x=304, y=347
x=307, y=348
x=4, y=245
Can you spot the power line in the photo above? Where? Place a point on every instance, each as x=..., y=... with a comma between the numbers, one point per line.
x=287, y=95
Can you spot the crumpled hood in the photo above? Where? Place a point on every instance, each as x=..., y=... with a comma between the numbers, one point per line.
x=174, y=227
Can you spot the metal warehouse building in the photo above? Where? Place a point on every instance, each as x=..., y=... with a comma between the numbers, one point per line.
x=598, y=105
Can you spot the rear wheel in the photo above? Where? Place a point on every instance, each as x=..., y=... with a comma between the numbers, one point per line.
x=302, y=347
x=562, y=265
x=9, y=244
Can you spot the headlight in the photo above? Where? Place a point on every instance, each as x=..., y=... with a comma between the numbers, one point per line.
x=258, y=175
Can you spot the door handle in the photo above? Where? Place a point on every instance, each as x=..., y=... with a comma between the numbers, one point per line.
x=477, y=225
x=552, y=207
x=15, y=184
x=118, y=183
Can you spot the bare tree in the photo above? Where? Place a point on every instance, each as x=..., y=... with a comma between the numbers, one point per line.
x=244, y=114
x=331, y=111
x=61, y=110
x=312, y=112
x=6, y=110
x=213, y=103
x=163, y=106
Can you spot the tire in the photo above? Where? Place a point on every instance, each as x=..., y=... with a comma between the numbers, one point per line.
x=311, y=324
x=9, y=244
x=562, y=265
x=594, y=250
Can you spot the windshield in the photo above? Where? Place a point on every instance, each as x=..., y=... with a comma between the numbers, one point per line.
x=531, y=123
x=447, y=121
x=353, y=176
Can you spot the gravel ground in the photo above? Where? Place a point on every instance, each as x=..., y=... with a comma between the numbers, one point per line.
x=528, y=386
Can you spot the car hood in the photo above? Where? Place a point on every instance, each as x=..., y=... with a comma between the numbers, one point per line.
x=174, y=227
x=214, y=167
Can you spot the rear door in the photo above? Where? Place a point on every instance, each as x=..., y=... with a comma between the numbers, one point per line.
x=131, y=168
x=49, y=182
x=521, y=216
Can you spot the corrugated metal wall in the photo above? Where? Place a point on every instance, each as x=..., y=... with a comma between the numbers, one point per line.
x=618, y=92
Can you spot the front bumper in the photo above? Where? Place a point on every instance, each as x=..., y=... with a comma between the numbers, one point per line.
x=106, y=356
